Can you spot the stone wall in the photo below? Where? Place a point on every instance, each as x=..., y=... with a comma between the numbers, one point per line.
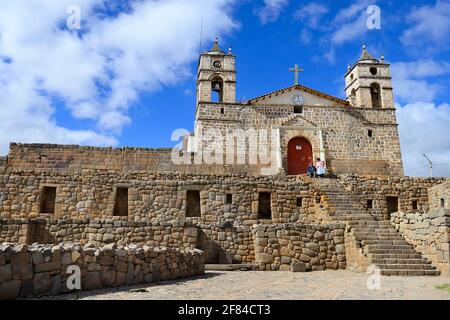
x=307, y=247
x=39, y=270
x=439, y=196
x=410, y=192
x=429, y=232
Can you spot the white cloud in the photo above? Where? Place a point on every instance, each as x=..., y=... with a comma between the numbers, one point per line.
x=97, y=75
x=311, y=14
x=271, y=10
x=430, y=25
x=423, y=127
x=410, y=79
x=351, y=22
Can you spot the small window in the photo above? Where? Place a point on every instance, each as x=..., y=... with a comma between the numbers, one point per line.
x=48, y=199
x=369, y=204
x=193, y=204
x=222, y=110
x=373, y=71
x=298, y=109
x=370, y=133
x=414, y=205
x=442, y=203
x=264, y=209
x=229, y=199
x=299, y=202
x=351, y=76
x=121, y=202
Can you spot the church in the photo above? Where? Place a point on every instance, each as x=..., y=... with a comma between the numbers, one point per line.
x=236, y=186
x=357, y=135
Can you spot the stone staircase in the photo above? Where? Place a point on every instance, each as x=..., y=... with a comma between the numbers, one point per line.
x=379, y=241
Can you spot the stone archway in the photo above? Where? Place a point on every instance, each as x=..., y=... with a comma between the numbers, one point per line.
x=300, y=156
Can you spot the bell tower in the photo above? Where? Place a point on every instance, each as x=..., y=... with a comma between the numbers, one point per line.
x=216, y=77
x=368, y=83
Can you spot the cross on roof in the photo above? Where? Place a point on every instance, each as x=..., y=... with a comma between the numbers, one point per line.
x=296, y=71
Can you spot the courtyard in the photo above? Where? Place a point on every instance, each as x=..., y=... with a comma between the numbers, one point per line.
x=253, y=285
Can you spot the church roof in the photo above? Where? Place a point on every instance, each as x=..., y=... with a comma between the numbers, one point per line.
x=366, y=55
x=298, y=87
x=216, y=49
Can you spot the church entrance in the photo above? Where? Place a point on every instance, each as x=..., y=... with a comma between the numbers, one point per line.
x=299, y=156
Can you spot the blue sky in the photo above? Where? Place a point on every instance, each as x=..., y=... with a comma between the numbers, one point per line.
x=127, y=77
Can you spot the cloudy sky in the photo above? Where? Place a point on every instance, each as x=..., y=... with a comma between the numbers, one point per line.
x=126, y=77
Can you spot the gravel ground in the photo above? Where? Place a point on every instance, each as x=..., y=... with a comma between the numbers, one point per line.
x=241, y=285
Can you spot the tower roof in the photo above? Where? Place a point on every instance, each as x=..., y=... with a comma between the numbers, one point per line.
x=216, y=49
x=366, y=56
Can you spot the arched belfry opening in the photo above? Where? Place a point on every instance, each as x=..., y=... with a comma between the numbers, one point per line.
x=217, y=89
x=375, y=95
x=300, y=155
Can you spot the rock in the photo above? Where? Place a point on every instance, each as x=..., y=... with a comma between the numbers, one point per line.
x=37, y=257
x=10, y=290
x=319, y=235
x=23, y=272
x=130, y=274
x=75, y=256
x=340, y=249
x=108, y=276
x=298, y=267
x=286, y=260
x=2, y=258
x=92, y=281
x=66, y=258
x=48, y=266
x=42, y=283
x=264, y=258
x=20, y=258
x=304, y=258
x=5, y=273
x=106, y=260
x=313, y=246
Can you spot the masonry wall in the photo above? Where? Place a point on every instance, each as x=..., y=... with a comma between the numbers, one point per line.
x=429, y=232
x=343, y=131
x=316, y=247
x=40, y=270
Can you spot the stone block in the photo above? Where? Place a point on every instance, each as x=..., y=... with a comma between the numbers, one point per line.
x=5, y=273
x=23, y=272
x=42, y=283
x=264, y=258
x=48, y=266
x=298, y=267
x=92, y=281
x=10, y=290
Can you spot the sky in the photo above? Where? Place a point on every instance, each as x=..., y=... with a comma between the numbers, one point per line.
x=122, y=73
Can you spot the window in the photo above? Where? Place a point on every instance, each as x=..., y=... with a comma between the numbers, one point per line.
x=442, y=203
x=298, y=109
x=222, y=110
x=373, y=71
x=375, y=93
x=369, y=204
x=217, y=90
x=193, y=204
x=229, y=199
x=370, y=133
x=48, y=199
x=264, y=209
x=121, y=202
x=299, y=202
x=414, y=205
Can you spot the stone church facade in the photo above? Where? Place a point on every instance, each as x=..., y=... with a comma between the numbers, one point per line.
x=238, y=206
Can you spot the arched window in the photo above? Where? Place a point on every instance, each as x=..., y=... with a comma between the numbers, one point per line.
x=375, y=94
x=216, y=89
x=353, y=97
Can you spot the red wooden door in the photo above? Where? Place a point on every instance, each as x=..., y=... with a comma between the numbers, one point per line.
x=299, y=156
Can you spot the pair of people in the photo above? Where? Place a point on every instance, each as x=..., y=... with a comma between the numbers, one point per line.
x=318, y=170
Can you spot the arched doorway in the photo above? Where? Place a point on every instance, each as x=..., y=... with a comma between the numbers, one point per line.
x=299, y=156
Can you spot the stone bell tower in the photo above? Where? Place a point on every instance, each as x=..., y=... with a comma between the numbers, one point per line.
x=216, y=78
x=368, y=83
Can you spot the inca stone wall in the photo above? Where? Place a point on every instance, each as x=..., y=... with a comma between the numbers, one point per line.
x=39, y=270
x=429, y=232
x=302, y=247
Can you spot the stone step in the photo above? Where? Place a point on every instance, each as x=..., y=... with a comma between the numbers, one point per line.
x=398, y=266
x=230, y=267
x=387, y=261
x=391, y=251
x=408, y=272
x=374, y=237
x=373, y=256
x=390, y=247
x=400, y=242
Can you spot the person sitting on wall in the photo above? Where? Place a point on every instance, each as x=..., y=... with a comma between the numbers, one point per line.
x=311, y=172
x=320, y=165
